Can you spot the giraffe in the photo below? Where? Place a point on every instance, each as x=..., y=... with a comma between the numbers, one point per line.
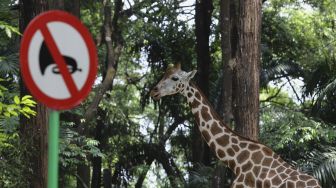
x=254, y=164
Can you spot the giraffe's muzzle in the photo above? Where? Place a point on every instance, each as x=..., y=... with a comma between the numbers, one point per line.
x=155, y=94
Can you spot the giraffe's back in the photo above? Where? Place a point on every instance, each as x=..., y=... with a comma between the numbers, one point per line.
x=300, y=181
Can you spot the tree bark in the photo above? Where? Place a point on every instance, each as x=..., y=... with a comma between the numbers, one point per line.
x=96, y=172
x=34, y=131
x=222, y=174
x=143, y=175
x=83, y=176
x=97, y=160
x=107, y=177
x=247, y=68
x=227, y=59
x=203, y=14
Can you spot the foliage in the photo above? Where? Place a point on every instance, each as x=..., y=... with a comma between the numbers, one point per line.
x=321, y=163
x=298, y=42
x=300, y=140
x=201, y=177
x=11, y=106
x=74, y=148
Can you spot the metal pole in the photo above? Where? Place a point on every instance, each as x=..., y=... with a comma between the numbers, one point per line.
x=53, y=140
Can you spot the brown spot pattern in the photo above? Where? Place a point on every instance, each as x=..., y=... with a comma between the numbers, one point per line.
x=280, y=169
x=197, y=95
x=267, y=183
x=206, y=135
x=197, y=118
x=213, y=147
x=311, y=183
x=236, y=148
x=275, y=164
x=267, y=151
x=267, y=162
x=195, y=103
x=271, y=173
x=234, y=140
x=230, y=152
x=223, y=140
x=253, y=147
x=205, y=114
x=276, y=180
x=220, y=153
x=247, y=166
x=300, y=184
x=189, y=94
x=242, y=145
x=256, y=170
x=232, y=164
x=257, y=157
x=243, y=156
x=249, y=179
x=215, y=129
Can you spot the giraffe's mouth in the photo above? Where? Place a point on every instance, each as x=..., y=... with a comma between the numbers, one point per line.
x=155, y=95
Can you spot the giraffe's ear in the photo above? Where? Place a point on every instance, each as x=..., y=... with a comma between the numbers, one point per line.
x=191, y=74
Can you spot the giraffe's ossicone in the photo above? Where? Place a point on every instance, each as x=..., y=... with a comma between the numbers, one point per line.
x=254, y=164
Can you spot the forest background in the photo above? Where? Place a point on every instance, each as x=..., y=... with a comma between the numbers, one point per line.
x=120, y=137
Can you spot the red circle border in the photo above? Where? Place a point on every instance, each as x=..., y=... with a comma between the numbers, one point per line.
x=34, y=25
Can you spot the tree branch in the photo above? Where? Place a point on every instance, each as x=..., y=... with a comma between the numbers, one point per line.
x=296, y=94
x=113, y=41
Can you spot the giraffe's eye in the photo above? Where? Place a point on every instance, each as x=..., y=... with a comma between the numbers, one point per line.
x=174, y=78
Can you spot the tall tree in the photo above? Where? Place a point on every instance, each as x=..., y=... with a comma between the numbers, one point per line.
x=203, y=14
x=228, y=47
x=247, y=68
x=34, y=130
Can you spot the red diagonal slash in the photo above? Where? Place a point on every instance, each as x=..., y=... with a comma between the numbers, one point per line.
x=59, y=60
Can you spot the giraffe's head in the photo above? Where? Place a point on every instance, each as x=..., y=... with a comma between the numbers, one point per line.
x=174, y=81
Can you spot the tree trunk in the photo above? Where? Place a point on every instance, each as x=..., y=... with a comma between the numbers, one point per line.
x=227, y=59
x=107, y=177
x=73, y=7
x=83, y=178
x=204, y=10
x=97, y=160
x=246, y=78
x=222, y=175
x=96, y=172
x=143, y=174
x=34, y=131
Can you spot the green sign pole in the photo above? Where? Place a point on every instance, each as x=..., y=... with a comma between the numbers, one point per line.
x=53, y=149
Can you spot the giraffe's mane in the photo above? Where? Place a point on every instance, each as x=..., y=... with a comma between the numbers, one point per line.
x=214, y=112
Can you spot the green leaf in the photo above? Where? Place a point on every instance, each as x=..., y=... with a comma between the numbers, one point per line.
x=7, y=114
x=26, y=97
x=8, y=32
x=14, y=113
x=17, y=100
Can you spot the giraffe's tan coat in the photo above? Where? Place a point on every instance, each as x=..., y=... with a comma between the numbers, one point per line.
x=254, y=164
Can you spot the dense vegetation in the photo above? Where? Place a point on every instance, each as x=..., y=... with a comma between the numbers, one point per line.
x=120, y=136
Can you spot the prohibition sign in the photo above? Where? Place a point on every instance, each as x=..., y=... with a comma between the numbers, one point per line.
x=58, y=59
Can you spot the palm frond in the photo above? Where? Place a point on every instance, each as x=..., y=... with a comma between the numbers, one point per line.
x=9, y=64
x=201, y=177
x=322, y=165
x=328, y=89
x=279, y=69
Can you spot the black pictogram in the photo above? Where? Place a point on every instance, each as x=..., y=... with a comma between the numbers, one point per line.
x=46, y=60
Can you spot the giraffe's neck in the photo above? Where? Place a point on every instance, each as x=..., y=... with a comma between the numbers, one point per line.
x=221, y=139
